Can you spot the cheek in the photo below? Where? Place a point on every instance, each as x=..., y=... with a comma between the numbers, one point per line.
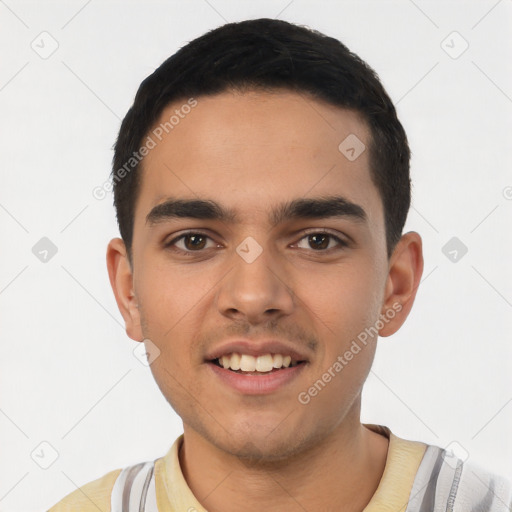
x=171, y=308
x=171, y=296
x=342, y=300
x=338, y=385
x=180, y=391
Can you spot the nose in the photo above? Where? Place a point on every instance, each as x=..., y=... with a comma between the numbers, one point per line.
x=255, y=291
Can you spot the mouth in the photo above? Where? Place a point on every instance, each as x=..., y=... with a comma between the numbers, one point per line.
x=256, y=375
x=246, y=364
x=256, y=367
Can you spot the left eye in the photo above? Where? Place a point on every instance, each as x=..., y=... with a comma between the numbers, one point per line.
x=320, y=241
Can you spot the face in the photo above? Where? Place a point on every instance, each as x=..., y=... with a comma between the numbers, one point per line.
x=257, y=241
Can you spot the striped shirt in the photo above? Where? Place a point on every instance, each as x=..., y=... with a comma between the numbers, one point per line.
x=417, y=478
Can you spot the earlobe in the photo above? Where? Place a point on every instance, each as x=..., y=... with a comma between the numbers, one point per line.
x=404, y=274
x=121, y=280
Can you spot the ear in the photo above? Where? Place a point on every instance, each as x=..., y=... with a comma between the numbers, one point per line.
x=404, y=274
x=121, y=279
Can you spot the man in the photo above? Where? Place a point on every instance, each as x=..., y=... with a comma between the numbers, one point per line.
x=261, y=182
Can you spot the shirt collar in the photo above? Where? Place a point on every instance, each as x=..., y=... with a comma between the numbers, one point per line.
x=402, y=462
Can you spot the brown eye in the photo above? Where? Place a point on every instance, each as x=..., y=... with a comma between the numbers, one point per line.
x=190, y=242
x=321, y=242
x=194, y=242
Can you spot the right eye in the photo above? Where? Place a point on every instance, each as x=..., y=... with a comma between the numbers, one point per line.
x=191, y=242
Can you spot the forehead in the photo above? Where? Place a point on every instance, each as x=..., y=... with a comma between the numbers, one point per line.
x=253, y=151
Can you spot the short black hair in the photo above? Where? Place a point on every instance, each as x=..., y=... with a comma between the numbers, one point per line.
x=271, y=55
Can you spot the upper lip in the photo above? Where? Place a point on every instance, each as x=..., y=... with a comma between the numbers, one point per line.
x=256, y=348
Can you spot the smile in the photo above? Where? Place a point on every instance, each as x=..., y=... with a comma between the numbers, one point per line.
x=246, y=363
x=256, y=375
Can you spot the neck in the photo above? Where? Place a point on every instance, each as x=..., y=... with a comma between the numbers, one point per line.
x=340, y=472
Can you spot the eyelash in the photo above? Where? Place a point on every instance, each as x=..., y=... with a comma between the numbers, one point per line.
x=341, y=244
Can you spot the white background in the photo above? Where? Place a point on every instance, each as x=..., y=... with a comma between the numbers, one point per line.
x=68, y=375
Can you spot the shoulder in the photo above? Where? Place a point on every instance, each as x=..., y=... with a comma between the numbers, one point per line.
x=133, y=484
x=91, y=497
x=445, y=480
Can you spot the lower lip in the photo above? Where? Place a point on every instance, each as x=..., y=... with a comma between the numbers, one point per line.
x=257, y=384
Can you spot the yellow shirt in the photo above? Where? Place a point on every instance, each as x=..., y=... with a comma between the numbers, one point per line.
x=174, y=495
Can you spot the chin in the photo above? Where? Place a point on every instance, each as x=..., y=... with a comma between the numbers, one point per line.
x=255, y=447
x=259, y=452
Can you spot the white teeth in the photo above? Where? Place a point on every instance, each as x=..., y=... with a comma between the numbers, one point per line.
x=235, y=362
x=264, y=363
x=278, y=361
x=248, y=363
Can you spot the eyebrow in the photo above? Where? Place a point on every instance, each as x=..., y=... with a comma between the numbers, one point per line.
x=310, y=208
